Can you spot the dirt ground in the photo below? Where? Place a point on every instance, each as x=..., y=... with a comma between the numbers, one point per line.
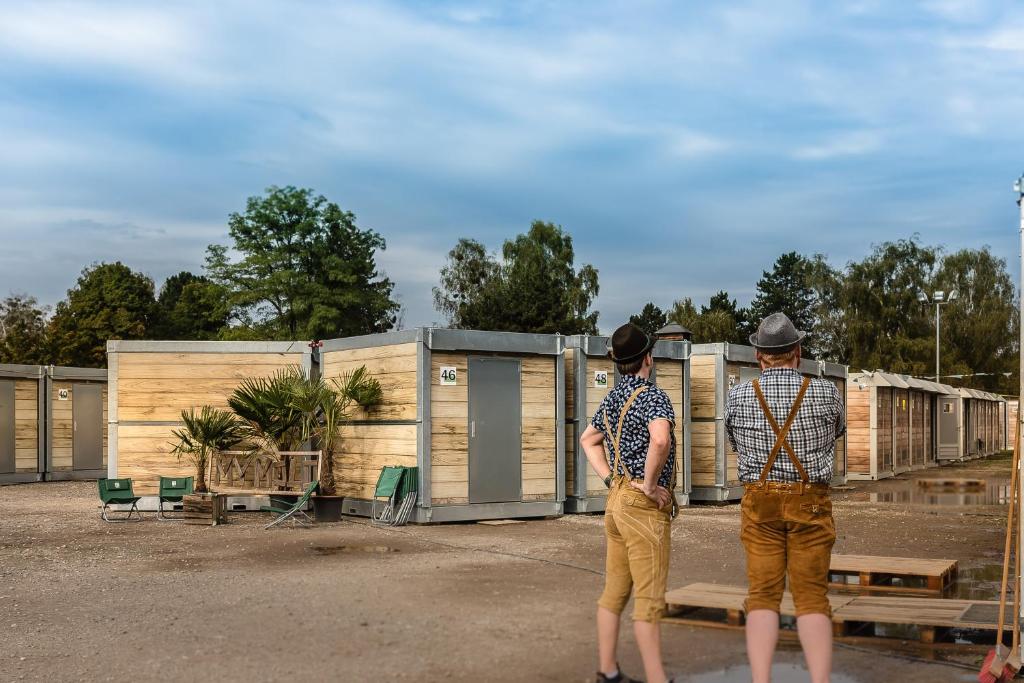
x=82, y=600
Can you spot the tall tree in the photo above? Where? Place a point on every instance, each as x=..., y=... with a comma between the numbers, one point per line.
x=109, y=301
x=535, y=287
x=650, y=319
x=980, y=328
x=786, y=288
x=190, y=307
x=829, y=339
x=469, y=286
x=885, y=325
x=23, y=336
x=708, y=327
x=722, y=308
x=305, y=271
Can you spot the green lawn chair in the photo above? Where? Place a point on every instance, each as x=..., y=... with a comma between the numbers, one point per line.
x=395, y=494
x=172, y=490
x=295, y=512
x=118, y=492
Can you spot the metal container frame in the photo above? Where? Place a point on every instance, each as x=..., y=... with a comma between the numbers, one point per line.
x=37, y=373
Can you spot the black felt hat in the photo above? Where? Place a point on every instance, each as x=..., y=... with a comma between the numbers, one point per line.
x=776, y=334
x=629, y=343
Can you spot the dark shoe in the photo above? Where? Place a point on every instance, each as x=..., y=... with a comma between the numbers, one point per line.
x=621, y=678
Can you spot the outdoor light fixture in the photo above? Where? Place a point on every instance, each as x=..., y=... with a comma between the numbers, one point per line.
x=939, y=298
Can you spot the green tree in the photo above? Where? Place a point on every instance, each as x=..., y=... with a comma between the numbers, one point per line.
x=110, y=301
x=829, y=339
x=535, y=287
x=650, y=319
x=786, y=288
x=709, y=326
x=885, y=325
x=305, y=271
x=190, y=307
x=23, y=337
x=725, y=309
x=980, y=328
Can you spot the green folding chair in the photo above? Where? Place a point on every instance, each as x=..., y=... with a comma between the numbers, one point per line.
x=395, y=493
x=295, y=512
x=118, y=492
x=172, y=490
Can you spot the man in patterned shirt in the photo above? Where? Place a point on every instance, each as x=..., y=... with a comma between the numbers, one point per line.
x=784, y=428
x=635, y=421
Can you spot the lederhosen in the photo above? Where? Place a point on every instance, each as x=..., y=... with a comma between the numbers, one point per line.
x=787, y=528
x=638, y=535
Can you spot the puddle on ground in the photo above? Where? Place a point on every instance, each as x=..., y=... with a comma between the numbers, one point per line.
x=979, y=583
x=781, y=673
x=340, y=549
x=945, y=491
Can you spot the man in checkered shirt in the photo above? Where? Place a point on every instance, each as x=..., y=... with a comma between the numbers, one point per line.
x=784, y=427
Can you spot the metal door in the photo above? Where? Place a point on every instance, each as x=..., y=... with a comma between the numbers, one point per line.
x=87, y=416
x=495, y=431
x=7, y=442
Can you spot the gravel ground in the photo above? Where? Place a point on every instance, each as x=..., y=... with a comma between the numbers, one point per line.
x=82, y=600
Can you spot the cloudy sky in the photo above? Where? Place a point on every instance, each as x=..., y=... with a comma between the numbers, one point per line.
x=683, y=145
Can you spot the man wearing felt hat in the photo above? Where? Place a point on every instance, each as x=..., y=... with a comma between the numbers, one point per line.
x=784, y=427
x=635, y=422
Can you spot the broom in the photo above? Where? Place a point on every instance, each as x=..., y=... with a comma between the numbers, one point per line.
x=995, y=669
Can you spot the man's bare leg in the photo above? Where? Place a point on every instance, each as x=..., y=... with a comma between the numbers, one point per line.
x=607, y=639
x=648, y=639
x=762, y=637
x=816, y=639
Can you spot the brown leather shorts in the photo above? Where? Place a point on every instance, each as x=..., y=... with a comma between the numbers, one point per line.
x=787, y=534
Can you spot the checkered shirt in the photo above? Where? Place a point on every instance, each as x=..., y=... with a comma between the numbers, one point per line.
x=820, y=421
x=652, y=404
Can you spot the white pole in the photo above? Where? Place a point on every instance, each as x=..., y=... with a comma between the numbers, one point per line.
x=937, y=323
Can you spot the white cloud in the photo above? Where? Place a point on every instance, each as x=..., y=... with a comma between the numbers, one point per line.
x=844, y=145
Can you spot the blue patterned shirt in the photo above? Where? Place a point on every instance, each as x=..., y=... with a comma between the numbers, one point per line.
x=652, y=404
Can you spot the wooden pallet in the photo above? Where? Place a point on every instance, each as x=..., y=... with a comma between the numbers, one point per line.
x=853, y=616
x=904, y=575
x=203, y=509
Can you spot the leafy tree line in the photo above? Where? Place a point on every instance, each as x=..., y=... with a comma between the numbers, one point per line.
x=298, y=267
x=867, y=314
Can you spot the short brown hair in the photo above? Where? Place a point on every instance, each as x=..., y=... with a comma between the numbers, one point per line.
x=777, y=360
x=631, y=368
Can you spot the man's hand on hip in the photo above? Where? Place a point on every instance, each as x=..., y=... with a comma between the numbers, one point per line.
x=659, y=494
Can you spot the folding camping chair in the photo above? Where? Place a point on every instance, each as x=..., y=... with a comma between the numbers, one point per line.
x=396, y=490
x=172, y=490
x=295, y=512
x=118, y=492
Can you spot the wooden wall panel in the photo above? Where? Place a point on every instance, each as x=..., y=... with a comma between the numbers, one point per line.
x=449, y=438
x=365, y=449
x=858, y=428
x=393, y=366
x=157, y=386
x=539, y=420
x=26, y=425
x=596, y=487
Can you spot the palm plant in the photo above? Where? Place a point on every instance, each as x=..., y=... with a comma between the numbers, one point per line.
x=204, y=433
x=265, y=405
x=325, y=408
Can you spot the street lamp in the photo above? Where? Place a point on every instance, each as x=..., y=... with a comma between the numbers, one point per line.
x=939, y=298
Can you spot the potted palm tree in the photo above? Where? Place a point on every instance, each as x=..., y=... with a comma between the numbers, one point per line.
x=325, y=408
x=204, y=433
x=271, y=423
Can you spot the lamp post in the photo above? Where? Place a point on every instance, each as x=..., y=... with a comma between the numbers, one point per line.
x=939, y=298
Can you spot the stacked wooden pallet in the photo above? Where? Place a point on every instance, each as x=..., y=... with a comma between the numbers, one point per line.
x=203, y=509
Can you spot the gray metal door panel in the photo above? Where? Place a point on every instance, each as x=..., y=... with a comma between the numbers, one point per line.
x=7, y=442
x=87, y=413
x=495, y=432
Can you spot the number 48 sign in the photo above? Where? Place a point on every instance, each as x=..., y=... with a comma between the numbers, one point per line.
x=449, y=376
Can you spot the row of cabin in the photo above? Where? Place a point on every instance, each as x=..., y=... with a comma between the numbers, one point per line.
x=491, y=420
x=52, y=423
x=897, y=423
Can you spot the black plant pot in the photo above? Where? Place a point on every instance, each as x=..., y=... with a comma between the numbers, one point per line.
x=327, y=508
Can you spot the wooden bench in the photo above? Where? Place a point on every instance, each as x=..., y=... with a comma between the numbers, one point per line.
x=853, y=616
x=906, y=575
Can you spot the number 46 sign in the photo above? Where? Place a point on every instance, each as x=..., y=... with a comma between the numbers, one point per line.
x=449, y=376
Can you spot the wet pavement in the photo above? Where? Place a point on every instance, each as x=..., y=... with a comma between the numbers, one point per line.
x=781, y=673
x=935, y=490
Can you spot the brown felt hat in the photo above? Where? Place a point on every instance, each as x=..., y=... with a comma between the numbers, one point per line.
x=629, y=343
